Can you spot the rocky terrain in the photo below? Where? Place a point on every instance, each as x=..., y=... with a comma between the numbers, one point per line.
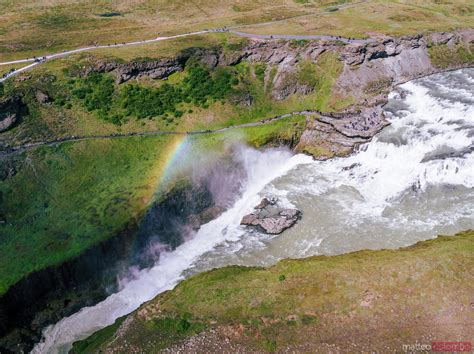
x=271, y=218
x=369, y=71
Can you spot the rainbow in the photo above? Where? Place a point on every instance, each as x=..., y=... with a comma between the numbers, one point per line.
x=174, y=158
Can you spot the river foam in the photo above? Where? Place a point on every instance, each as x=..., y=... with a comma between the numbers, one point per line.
x=413, y=181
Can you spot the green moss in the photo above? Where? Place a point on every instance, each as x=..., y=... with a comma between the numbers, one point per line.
x=444, y=56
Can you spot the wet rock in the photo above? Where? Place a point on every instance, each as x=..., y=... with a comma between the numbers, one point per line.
x=266, y=202
x=196, y=220
x=270, y=218
x=350, y=167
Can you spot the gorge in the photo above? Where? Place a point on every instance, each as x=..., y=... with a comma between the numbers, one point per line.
x=421, y=162
x=122, y=178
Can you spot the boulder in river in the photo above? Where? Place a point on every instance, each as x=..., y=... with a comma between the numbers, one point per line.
x=270, y=218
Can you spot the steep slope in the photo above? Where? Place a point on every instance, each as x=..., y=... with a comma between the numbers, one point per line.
x=363, y=301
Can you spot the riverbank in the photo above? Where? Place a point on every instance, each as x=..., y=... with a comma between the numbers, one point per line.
x=362, y=301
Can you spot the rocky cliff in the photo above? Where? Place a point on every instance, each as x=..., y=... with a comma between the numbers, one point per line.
x=369, y=70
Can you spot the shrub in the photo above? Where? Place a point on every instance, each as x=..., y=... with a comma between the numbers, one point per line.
x=200, y=87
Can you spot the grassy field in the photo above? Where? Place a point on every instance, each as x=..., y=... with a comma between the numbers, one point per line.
x=365, y=301
x=67, y=198
x=380, y=17
x=35, y=28
x=30, y=28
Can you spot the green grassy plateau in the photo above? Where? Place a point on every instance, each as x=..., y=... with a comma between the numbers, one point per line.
x=30, y=28
x=356, y=302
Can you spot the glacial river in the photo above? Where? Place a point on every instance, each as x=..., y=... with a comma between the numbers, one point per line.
x=413, y=181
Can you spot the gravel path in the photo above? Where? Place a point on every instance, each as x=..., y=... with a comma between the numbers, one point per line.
x=21, y=148
x=37, y=61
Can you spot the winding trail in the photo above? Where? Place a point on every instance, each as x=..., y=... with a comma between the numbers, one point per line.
x=324, y=118
x=25, y=147
x=37, y=61
x=300, y=37
x=62, y=54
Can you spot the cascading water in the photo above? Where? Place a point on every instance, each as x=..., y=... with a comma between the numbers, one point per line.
x=261, y=168
x=413, y=181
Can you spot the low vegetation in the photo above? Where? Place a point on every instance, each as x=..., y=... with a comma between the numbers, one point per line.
x=443, y=56
x=36, y=28
x=197, y=98
x=395, y=18
x=377, y=87
x=199, y=88
x=61, y=200
x=64, y=199
x=367, y=300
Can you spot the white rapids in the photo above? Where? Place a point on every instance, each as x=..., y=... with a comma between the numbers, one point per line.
x=262, y=168
x=411, y=182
